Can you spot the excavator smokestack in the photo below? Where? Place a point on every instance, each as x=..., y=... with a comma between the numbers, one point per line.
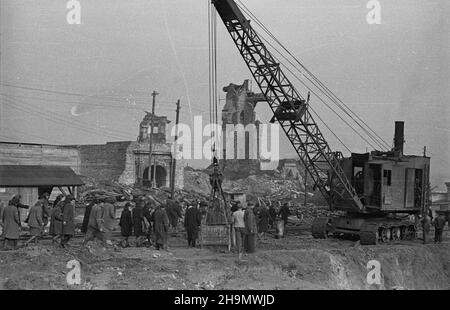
x=399, y=136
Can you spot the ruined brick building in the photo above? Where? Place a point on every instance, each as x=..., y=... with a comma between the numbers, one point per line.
x=242, y=150
x=125, y=161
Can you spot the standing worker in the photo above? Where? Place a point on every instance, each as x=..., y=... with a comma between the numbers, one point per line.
x=148, y=230
x=68, y=220
x=239, y=228
x=426, y=226
x=284, y=214
x=192, y=222
x=11, y=223
x=36, y=222
x=272, y=215
x=137, y=215
x=46, y=210
x=55, y=228
x=439, y=223
x=263, y=221
x=95, y=227
x=173, y=210
x=250, y=229
x=87, y=212
x=109, y=218
x=161, y=227
x=126, y=225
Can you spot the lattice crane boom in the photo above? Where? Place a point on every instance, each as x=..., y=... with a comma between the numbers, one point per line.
x=290, y=109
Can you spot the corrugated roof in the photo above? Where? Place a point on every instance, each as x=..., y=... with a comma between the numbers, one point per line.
x=24, y=175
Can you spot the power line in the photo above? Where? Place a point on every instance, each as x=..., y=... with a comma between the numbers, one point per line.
x=14, y=103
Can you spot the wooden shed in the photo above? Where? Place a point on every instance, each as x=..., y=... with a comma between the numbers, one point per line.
x=32, y=181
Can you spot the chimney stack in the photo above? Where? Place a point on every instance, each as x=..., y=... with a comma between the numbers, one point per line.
x=399, y=136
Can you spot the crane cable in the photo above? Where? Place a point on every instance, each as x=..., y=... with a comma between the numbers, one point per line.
x=213, y=94
x=320, y=85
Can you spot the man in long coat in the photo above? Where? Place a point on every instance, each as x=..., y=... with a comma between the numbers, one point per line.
x=173, y=210
x=46, y=211
x=87, y=213
x=250, y=229
x=161, y=227
x=11, y=223
x=36, y=222
x=147, y=214
x=192, y=222
x=126, y=225
x=68, y=218
x=137, y=214
x=109, y=218
x=263, y=221
x=55, y=228
x=95, y=227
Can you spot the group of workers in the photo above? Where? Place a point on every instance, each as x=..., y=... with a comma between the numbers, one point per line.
x=147, y=221
x=61, y=218
x=439, y=224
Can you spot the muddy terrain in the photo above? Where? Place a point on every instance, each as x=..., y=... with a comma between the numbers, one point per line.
x=295, y=262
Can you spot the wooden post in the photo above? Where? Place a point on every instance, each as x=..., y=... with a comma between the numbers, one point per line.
x=154, y=94
x=174, y=158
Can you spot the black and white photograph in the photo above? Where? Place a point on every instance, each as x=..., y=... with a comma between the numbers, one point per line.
x=224, y=150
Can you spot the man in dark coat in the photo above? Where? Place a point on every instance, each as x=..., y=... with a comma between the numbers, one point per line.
x=173, y=210
x=109, y=218
x=284, y=213
x=11, y=223
x=95, y=227
x=45, y=208
x=250, y=229
x=68, y=218
x=161, y=227
x=272, y=215
x=87, y=212
x=148, y=220
x=192, y=222
x=36, y=222
x=137, y=215
x=56, y=219
x=126, y=225
x=263, y=221
x=439, y=223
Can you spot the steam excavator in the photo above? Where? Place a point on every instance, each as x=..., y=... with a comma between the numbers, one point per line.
x=374, y=193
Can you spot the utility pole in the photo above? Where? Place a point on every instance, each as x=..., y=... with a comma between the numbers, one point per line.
x=174, y=159
x=150, y=150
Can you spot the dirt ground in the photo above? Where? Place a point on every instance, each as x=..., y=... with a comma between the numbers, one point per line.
x=295, y=262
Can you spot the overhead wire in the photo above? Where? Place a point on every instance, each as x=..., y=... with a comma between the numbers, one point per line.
x=26, y=108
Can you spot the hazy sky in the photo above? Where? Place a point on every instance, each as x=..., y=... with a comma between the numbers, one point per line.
x=398, y=70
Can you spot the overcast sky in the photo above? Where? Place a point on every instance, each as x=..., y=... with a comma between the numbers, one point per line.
x=398, y=70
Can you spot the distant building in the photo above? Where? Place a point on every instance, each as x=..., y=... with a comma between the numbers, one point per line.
x=126, y=162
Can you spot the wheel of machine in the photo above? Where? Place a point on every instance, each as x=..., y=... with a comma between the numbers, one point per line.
x=411, y=232
x=403, y=232
x=369, y=234
x=319, y=227
x=385, y=234
x=395, y=233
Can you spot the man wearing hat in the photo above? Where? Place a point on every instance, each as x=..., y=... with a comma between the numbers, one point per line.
x=239, y=228
x=68, y=220
x=109, y=218
x=250, y=228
